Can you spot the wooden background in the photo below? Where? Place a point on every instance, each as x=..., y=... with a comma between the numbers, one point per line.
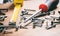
x=32, y=32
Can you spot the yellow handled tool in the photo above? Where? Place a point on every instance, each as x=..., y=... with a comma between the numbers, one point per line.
x=18, y=4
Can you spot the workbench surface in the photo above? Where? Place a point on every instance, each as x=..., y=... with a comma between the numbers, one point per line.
x=32, y=32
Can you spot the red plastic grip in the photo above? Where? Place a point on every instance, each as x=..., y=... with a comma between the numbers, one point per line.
x=43, y=7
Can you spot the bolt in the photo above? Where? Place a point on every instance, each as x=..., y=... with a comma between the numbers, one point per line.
x=59, y=12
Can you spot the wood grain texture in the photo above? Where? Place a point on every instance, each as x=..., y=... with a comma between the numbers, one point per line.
x=33, y=32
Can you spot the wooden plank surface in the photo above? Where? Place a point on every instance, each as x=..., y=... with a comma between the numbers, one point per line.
x=32, y=32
